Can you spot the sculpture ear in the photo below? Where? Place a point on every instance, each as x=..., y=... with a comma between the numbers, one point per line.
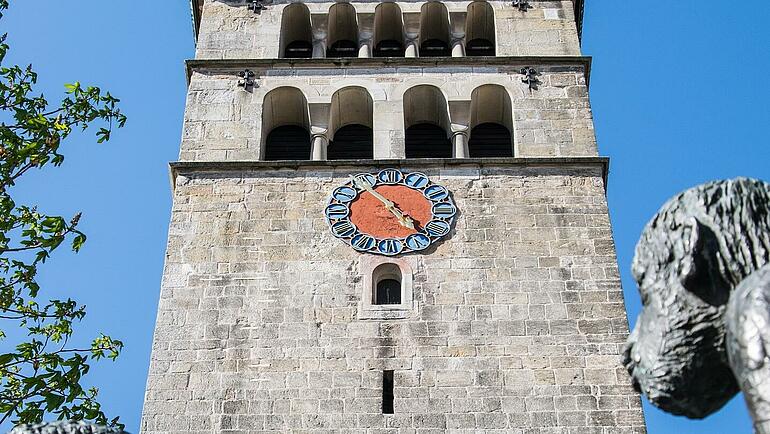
x=698, y=269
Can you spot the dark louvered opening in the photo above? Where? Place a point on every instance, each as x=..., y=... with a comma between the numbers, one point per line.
x=388, y=292
x=288, y=143
x=427, y=141
x=434, y=48
x=490, y=140
x=389, y=48
x=299, y=50
x=354, y=142
x=480, y=47
x=343, y=49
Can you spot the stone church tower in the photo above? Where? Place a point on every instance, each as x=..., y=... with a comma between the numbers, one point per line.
x=389, y=217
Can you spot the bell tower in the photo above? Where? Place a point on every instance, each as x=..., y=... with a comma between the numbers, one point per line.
x=389, y=217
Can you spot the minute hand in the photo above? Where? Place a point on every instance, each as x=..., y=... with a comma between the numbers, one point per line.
x=404, y=220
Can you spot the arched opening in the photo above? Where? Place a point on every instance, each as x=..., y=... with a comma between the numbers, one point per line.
x=387, y=285
x=343, y=31
x=351, y=125
x=285, y=125
x=480, y=30
x=491, y=123
x=388, y=31
x=296, y=33
x=426, y=119
x=434, y=30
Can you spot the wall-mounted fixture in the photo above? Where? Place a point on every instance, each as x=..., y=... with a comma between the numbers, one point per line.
x=257, y=6
x=247, y=79
x=530, y=77
x=522, y=5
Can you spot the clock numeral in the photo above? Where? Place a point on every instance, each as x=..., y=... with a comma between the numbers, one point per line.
x=444, y=210
x=344, y=229
x=437, y=228
x=345, y=194
x=416, y=180
x=417, y=241
x=390, y=247
x=367, y=178
x=362, y=242
x=337, y=211
x=390, y=176
x=436, y=193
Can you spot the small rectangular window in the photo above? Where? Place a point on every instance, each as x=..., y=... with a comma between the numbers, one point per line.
x=387, y=392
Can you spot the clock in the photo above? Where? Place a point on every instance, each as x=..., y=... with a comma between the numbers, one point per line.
x=390, y=212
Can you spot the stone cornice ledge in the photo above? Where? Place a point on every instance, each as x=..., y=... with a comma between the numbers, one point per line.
x=196, y=167
x=234, y=65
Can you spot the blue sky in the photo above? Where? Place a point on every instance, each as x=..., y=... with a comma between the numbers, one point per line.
x=678, y=91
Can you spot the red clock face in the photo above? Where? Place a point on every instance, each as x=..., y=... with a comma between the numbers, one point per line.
x=371, y=216
x=390, y=212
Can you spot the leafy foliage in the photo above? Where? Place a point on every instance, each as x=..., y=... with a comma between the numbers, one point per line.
x=43, y=375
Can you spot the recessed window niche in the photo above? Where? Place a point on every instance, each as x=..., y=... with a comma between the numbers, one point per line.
x=387, y=288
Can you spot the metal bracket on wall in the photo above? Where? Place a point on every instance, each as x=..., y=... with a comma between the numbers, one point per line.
x=247, y=79
x=530, y=77
x=257, y=6
x=522, y=5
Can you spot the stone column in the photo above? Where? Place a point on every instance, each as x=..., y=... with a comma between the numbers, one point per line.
x=458, y=49
x=364, y=48
x=319, y=46
x=411, y=48
x=460, y=144
x=318, y=147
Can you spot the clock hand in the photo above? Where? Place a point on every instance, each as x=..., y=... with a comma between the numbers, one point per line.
x=403, y=220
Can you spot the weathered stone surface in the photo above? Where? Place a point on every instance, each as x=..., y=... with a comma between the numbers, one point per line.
x=223, y=122
x=264, y=332
x=229, y=30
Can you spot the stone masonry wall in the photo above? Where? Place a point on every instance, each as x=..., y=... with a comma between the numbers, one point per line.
x=229, y=30
x=224, y=122
x=518, y=326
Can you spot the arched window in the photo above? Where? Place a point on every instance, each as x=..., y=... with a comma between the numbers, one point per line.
x=480, y=30
x=285, y=125
x=426, y=119
x=350, y=125
x=491, y=123
x=434, y=30
x=388, y=31
x=296, y=32
x=387, y=284
x=343, y=31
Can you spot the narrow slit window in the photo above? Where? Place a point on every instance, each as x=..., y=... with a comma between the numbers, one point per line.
x=387, y=392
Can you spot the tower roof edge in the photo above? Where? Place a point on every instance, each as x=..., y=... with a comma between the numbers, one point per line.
x=196, y=7
x=579, y=9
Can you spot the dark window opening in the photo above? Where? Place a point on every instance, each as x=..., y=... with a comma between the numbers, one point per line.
x=480, y=47
x=343, y=48
x=388, y=292
x=387, y=392
x=353, y=142
x=288, y=142
x=427, y=141
x=490, y=140
x=299, y=50
x=434, y=48
x=389, y=48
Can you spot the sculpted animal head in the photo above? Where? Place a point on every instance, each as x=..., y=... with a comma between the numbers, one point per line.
x=700, y=245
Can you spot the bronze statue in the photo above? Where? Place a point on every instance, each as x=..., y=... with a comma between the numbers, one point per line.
x=704, y=330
